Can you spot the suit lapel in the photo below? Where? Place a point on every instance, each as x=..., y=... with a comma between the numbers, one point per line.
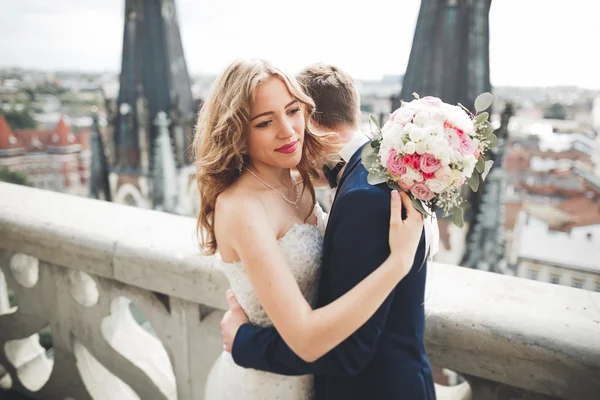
x=354, y=160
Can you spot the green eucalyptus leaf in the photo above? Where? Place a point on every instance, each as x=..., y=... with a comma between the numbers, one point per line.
x=480, y=164
x=419, y=206
x=369, y=157
x=493, y=141
x=473, y=181
x=483, y=101
x=376, y=178
x=373, y=120
x=488, y=167
x=394, y=186
x=367, y=152
x=489, y=129
x=458, y=217
x=481, y=117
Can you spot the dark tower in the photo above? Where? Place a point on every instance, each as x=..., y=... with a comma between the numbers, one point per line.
x=449, y=58
x=99, y=185
x=153, y=78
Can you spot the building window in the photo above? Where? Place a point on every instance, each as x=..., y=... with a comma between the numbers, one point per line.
x=554, y=279
x=577, y=283
x=533, y=274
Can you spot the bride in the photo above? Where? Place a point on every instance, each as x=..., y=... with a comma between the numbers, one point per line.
x=268, y=229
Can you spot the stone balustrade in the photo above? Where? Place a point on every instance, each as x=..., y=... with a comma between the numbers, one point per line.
x=83, y=269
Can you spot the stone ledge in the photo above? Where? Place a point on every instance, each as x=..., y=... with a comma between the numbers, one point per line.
x=529, y=335
x=144, y=248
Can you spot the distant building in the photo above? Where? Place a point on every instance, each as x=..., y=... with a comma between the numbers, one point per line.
x=560, y=245
x=56, y=159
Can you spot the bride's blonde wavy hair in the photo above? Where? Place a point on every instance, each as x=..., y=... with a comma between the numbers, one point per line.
x=220, y=141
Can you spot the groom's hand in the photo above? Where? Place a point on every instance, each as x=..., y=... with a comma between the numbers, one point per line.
x=232, y=320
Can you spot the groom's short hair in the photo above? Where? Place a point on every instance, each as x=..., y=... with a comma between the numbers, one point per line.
x=335, y=96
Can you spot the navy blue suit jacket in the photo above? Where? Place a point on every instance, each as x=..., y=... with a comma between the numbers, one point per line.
x=384, y=359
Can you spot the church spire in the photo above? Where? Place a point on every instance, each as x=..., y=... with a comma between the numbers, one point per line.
x=99, y=184
x=164, y=170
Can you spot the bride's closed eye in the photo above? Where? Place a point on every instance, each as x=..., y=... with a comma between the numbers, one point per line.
x=264, y=124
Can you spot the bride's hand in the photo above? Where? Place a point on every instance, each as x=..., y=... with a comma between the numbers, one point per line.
x=404, y=234
x=232, y=320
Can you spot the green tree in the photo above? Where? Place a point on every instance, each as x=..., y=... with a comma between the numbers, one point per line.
x=9, y=176
x=555, y=111
x=19, y=119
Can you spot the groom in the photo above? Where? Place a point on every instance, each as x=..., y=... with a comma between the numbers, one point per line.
x=385, y=359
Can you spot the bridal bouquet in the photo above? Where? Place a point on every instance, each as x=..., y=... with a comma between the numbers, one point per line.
x=429, y=150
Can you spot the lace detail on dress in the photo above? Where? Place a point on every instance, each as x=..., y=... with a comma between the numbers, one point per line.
x=302, y=248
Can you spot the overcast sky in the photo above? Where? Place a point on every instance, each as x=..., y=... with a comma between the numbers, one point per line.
x=533, y=42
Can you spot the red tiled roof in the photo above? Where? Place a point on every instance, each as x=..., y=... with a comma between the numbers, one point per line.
x=8, y=141
x=83, y=138
x=34, y=140
x=584, y=211
x=62, y=135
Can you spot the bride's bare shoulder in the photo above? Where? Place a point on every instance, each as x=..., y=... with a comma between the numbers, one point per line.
x=237, y=204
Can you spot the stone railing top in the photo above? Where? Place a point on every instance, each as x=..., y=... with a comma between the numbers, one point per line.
x=523, y=333
x=531, y=335
x=144, y=248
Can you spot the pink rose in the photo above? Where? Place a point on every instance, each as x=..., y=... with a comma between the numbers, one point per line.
x=416, y=162
x=429, y=163
x=403, y=116
x=433, y=101
x=394, y=164
x=406, y=183
x=428, y=175
x=476, y=154
x=393, y=115
x=460, y=132
x=452, y=138
x=458, y=182
x=421, y=191
x=407, y=159
x=467, y=146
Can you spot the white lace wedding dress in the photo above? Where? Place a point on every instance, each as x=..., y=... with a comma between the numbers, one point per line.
x=302, y=247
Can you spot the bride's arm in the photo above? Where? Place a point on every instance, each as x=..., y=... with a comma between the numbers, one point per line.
x=312, y=333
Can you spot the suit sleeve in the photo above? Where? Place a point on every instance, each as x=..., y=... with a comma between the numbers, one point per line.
x=360, y=244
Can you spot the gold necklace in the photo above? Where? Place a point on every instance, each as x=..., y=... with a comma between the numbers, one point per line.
x=294, y=203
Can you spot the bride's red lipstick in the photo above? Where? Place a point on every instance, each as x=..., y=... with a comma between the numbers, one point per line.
x=288, y=148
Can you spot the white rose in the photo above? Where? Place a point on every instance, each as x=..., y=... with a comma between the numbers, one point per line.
x=457, y=156
x=413, y=174
x=444, y=154
x=444, y=174
x=430, y=145
x=469, y=162
x=399, y=147
x=409, y=148
x=384, y=153
x=457, y=177
x=435, y=130
x=435, y=185
x=438, y=115
x=409, y=127
x=392, y=132
x=421, y=118
x=420, y=147
x=416, y=134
